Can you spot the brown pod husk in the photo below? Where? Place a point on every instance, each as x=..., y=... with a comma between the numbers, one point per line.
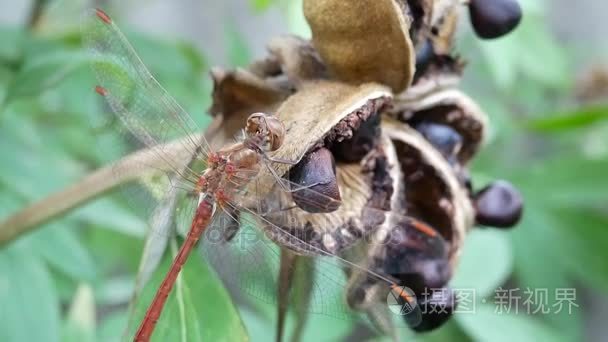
x=364, y=40
x=440, y=73
x=443, y=24
x=297, y=59
x=450, y=107
x=237, y=94
x=324, y=112
x=320, y=114
x=433, y=193
x=427, y=190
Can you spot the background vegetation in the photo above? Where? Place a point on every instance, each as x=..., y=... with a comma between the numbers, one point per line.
x=72, y=278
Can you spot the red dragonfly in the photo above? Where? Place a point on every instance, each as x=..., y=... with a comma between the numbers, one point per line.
x=222, y=197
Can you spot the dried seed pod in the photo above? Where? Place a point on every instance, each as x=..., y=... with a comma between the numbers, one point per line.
x=428, y=191
x=317, y=172
x=498, y=205
x=438, y=73
x=362, y=142
x=323, y=113
x=363, y=41
x=297, y=58
x=451, y=108
x=494, y=18
x=443, y=24
x=319, y=115
x=237, y=94
x=432, y=192
x=240, y=89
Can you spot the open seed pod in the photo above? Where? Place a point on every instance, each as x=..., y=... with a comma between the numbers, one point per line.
x=433, y=74
x=432, y=191
x=237, y=94
x=442, y=25
x=429, y=191
x=448, y=107
x=297, y=58
x=363, y=41
x=321, y=115
x=434, y=21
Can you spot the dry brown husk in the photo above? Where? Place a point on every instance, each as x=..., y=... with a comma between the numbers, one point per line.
x=448, y=106
x=363, y=41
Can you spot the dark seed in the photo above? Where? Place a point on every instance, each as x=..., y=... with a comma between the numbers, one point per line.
x=498, y=205
x=416, y=259
x=424, y=55
x=444, y=138
x=362, y=141
x=436, y=306
x=316, y=175
x=494, y=18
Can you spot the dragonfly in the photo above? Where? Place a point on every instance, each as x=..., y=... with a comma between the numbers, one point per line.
x=229, y=192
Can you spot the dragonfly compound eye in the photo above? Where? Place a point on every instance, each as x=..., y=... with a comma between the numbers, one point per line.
x=254, y=123
x=275, y=133
x=267, y=130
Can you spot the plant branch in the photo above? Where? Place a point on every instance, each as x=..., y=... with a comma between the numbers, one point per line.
x=125, y=170
x=35, y=13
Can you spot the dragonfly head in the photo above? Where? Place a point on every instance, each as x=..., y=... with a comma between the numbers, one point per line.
x=265, y=131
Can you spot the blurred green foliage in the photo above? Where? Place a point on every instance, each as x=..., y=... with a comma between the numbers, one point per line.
x=72, y=278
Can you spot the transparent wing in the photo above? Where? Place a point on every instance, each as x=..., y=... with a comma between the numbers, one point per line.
x=137, y=99
x=243, y=244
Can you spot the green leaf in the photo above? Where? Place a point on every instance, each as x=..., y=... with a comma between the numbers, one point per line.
x=481, y=270
x=486, y=325
x=198, y=307
x=30, y=307
x=46, y=71
x=122, y=220
x=58, y=245
x=6, y=76
x=584, y=235
x=12, y=41
x=80, y=323
x=564, y=181
x=539, y=263
x=113, y=326
x=167, y=59
x=238, y=51
x=579, y=118
x=261, y=5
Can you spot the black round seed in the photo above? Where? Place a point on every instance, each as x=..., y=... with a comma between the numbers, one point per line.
x=436, y=306
x=315, y=176
x=498, y=205
x=444, y=138
x=417, y=260
x=494, y=18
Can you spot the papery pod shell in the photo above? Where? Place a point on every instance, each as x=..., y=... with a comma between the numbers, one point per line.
x=443, y=24
x=451, y=213
x=432, y=81
x=237, y=94
x=316, y=114
x=364, y=40
x=337, y=230
x=452, y=107
x=319, y=114
x=298, y=59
